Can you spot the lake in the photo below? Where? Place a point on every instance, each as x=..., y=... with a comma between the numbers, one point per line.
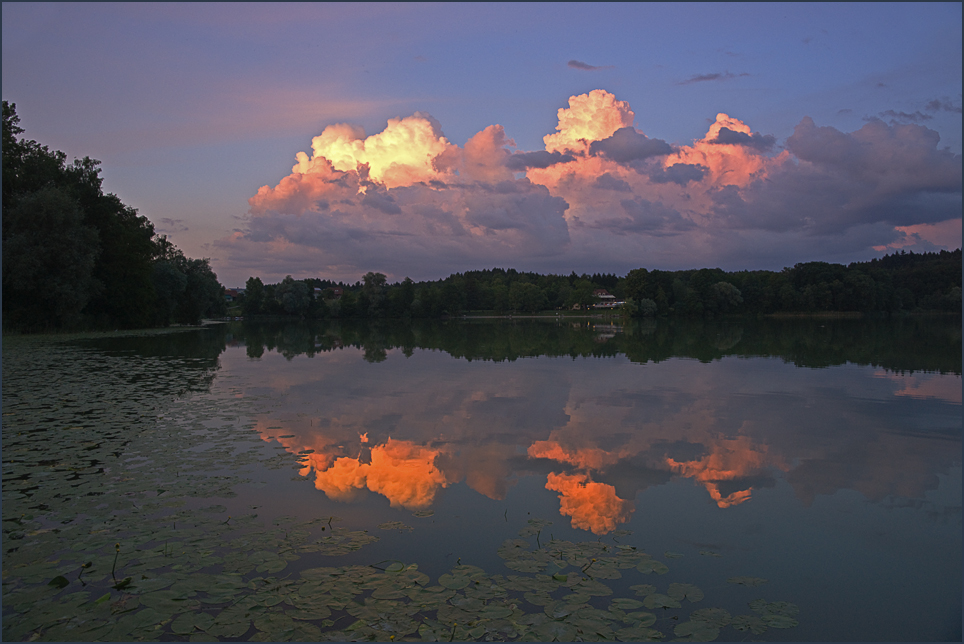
x=539, y=479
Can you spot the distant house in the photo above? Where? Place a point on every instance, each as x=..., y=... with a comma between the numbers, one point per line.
x=330, y=293
x=231, y=294
x=606, y=300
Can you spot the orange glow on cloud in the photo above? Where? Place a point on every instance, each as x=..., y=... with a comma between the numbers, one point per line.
x=401, y=471
x=943, y=387
x=589, y=117
x=730, y=459
x=592, y=506
x=729, y=164
x=584, y=457
x=399, y=155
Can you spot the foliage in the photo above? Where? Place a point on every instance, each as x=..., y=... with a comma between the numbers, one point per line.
x=896, y=284
x=75, y=256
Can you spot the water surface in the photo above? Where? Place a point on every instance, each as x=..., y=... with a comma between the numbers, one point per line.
x=823, y=456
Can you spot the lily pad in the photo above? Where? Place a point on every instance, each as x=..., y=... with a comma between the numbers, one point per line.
x=651, y=565
x=624, y=603
x=696, y=631
x=453, y=582
x=685, y=591
x=657, y=600
x=395, y=525
x=747, y=581
x=750, y=623
x=779, y=621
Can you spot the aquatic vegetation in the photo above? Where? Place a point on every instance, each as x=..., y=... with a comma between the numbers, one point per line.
x=117, y=526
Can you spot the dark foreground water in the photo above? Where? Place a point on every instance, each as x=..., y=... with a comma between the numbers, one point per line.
x=758, y=480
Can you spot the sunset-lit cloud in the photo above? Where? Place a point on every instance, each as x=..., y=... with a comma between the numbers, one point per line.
x=592, y=506
x=401, y=471
x=729, y=461
x=406, y=199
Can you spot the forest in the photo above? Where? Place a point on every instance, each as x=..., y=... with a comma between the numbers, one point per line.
x=77, y=258
x=904, y=282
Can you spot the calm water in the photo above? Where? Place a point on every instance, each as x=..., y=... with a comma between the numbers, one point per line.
x=822, y=456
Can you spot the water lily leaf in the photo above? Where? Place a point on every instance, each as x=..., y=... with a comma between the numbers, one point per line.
x=560, y=577
x=696, y=631
x=710, y=553
x=395, y=525
x=651, y=565
x=525, y=565
x=59, y=582
x=713, y=616
x=423, y=514
x=643, y=589
x=184, y=624
x=774, y=608
x=779, y=621
x=641, y=618
x=495, y=612
x=539, y=598
x=553, y=631
x=657, y=600
x=687, y=591
x=672, y=555
x=454, y=582
x=750, y=623
x=747, y=581
x=624, y=603
x=638, y=634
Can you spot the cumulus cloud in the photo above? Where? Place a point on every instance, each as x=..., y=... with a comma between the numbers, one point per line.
x=541, y=159
x=589, y=117
x=407, y=201
x=758, y=141
x=626, y=144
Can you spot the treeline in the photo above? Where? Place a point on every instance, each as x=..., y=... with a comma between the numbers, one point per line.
x=74, y=257
x=906, y=344
x=902, y=282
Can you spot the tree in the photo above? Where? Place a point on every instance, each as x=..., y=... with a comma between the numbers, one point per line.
x=48, y=260
x=293, y=295
x=253, y=296
x=122, y=266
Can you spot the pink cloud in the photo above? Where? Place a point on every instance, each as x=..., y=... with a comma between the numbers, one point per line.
x=601, y=195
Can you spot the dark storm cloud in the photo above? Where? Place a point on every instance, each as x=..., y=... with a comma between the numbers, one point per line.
x=607, y=181
x=716, y=76
x=626, y=145
x=541, y=159
x=680, y=174
x=757, y=141
x=880, y=174
x=644, y=216
x=383, y=202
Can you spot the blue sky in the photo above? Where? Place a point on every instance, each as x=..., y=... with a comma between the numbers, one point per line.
x=192, y=108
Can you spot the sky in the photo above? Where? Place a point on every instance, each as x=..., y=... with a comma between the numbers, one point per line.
x=419, y=140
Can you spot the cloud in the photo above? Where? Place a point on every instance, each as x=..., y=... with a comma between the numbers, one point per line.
x=590, y=117
x=904, y=117
x=578, y=64
x=679, y=173
x=541, y=159
x=407, y=201
x=758, y=141
x=942, y=105
x=168, y=226
x=626, y=144
x=715, y=76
